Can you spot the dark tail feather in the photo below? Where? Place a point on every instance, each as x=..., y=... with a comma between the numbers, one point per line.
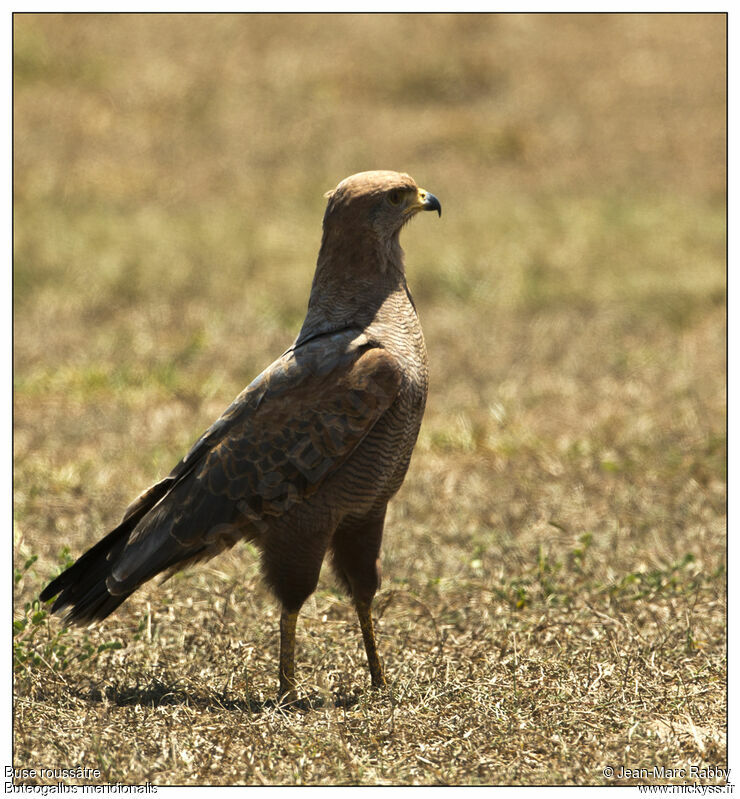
x=83, y=585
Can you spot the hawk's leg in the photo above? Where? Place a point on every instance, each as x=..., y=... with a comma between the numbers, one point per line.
x=288, y=621
x=291, y=566
x=355, y=549
x=368, y=636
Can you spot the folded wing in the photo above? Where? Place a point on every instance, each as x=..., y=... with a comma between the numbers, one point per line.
x=274, y=447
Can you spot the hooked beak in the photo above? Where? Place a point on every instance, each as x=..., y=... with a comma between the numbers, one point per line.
x=424, y=201
x=428, y=202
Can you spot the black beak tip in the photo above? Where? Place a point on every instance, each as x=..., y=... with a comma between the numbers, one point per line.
x=432, y=204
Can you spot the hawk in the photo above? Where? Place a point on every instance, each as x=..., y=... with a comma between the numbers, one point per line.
x=304, y=461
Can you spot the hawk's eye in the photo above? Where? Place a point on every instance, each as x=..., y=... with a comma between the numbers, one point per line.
x=395, y=197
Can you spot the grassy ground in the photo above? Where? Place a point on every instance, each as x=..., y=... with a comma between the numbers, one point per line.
x=554, y=566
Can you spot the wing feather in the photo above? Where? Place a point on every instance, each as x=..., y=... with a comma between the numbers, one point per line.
x=274, y=447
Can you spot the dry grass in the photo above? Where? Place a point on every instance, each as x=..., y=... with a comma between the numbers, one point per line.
x=554, y=594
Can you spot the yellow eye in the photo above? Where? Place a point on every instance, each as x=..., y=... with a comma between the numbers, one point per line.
x=395, y=197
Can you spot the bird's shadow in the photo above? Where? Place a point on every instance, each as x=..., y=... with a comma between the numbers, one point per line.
x=160, y=694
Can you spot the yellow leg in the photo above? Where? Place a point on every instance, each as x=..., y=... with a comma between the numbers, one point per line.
x=287, y=655
x=368, y=636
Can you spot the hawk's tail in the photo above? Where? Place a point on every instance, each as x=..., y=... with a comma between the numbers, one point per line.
x=83, y=586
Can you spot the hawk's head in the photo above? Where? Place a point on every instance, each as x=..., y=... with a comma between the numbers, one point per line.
x=380, y=202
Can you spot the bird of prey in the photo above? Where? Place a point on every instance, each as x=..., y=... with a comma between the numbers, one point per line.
x=304, y=461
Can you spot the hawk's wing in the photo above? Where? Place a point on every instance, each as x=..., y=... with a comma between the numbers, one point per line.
x=276, y=444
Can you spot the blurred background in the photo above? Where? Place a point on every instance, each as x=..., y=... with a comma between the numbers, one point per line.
x=169, y=173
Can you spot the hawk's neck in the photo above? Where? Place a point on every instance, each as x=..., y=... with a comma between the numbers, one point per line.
x=353, y=286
